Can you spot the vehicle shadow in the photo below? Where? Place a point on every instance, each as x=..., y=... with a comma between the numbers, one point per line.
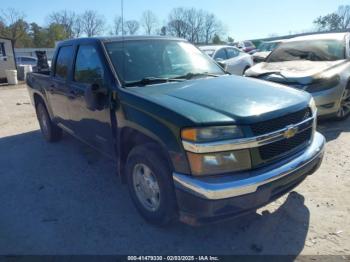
x=332, y=129
x=65, y=198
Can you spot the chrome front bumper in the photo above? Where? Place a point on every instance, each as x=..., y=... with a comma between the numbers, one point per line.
x=222, y=187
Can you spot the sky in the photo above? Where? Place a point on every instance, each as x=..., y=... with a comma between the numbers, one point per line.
x=242, y=19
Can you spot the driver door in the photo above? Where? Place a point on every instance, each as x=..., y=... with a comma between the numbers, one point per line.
x=91, y=126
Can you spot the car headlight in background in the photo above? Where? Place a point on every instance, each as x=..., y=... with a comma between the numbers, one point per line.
x=216, y=162
x=219, y=162
x=323, y=83
x=210, y=134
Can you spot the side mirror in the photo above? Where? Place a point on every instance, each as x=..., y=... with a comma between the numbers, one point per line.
x=95, y=97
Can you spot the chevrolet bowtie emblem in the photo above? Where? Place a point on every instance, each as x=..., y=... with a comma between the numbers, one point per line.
x=290, y=132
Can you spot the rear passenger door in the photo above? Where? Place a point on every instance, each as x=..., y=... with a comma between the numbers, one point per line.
x=93, y=127
x=58, y=90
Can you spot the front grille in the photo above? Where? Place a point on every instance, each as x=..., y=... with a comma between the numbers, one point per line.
x=282, y=147
x=275, y=124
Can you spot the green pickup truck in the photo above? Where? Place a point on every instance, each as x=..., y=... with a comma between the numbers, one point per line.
x=191, y=141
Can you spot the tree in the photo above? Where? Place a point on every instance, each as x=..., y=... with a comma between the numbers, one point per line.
x=55, y=32
x=149, y=21
x=344, y=14
x=92, y=23
x=217, y=40
x=131, y=27
x=65, y=18
x=339, y=20
x=117, y=28
x=230, y=39
x=13, y=25
x=193, y=24
x=177, y=25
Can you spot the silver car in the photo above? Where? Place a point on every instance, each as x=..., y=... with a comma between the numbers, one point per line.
x=230, y=58
x=318, y=64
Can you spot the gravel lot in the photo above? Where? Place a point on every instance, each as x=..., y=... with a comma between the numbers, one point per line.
x=66, y=199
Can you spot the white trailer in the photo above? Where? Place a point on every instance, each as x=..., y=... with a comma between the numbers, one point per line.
x=7, y=57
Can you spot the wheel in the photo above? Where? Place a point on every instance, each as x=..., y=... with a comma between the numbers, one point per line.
x=50, y=131
x=344, y=109
x=150, y=185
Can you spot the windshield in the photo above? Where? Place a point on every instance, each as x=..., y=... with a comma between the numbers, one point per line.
x=313, y=50
x=209, y=52
x=140, y=59
x=267, y=47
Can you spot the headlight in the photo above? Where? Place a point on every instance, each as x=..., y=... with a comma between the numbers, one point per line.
x=321, y=84
x=210, y=134
x=219, y=163
x=312, y=105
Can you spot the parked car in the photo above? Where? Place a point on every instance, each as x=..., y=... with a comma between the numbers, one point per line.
x=318, y=64
x=265, y=48
x=26, y=60
x=246, y=46
x=190, y=141
x=230, y=58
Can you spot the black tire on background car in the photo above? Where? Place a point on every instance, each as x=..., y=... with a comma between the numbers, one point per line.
x=50, y=131
x=150, y=185
x=344, y=109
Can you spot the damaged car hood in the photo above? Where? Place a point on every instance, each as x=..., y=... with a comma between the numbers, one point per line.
x=302, y=71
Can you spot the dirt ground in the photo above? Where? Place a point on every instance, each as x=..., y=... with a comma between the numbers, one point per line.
x=64, y=198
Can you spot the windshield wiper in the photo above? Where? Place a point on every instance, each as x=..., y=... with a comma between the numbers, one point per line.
x=151, y=80
x=192, y=75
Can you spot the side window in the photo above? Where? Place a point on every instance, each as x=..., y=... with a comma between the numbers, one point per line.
x=2, y=49
x=88, y=66
x=63, y=60
x=231, y=52
x=221, y=54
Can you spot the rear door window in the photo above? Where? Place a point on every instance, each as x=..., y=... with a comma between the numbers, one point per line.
x=63, y=61
x=232, y=52
x=221, y=54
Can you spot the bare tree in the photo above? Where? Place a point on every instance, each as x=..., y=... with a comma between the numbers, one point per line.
x=177, y=24
x=117, y=25
x=195, y=20
x=211, y=27
x=131, y=27
x=344, y=14
x=78, y=27
x=13, y=24
x=65, y=18
x=92, y=23
x=149, y=22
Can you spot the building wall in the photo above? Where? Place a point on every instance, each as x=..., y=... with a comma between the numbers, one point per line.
x=7, y=61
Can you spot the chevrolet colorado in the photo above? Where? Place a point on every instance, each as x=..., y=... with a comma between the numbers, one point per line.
x=191, y=142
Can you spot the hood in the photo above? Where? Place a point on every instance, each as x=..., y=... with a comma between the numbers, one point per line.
x=261, y=54
x=226, y=99
x=294, y=71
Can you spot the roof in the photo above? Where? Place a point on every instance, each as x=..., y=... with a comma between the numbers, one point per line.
x=331, y=36
x=121, y=38
x=214, y=47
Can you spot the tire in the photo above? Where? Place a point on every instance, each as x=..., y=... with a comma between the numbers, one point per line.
x=344, y=109
x=50, y=131
x=144, y=164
